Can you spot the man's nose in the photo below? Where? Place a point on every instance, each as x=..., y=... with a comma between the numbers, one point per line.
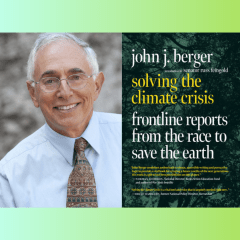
x=64, y=90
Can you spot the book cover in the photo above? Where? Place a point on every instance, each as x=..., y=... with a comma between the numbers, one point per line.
x=181, y=120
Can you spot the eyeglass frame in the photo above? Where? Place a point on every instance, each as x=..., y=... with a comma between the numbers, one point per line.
x=59, y=81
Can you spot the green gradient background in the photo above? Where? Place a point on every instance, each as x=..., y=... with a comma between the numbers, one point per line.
x=124, y=16
x=119, y=16
x=145, y=223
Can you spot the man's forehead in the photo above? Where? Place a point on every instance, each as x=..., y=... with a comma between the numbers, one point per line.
x=62, y=53
x=60, y=45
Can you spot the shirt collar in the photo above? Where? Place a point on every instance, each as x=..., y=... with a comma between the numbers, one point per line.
x=92, y=134
x=65, y=145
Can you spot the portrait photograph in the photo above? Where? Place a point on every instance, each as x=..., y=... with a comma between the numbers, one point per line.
x=61, y=105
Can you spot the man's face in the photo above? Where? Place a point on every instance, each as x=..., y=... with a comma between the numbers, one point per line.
x=66, y=110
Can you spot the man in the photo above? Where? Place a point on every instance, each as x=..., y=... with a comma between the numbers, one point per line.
x=74, y=160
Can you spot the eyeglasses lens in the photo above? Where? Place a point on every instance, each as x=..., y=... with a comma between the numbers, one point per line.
x=76, y=81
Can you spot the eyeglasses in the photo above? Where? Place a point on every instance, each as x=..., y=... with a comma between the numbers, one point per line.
x=75, y=81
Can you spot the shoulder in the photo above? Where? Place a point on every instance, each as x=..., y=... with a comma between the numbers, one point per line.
x=110, y=124
x=26, y=145
x=109, y=118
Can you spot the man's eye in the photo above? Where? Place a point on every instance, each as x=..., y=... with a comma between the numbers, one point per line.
x=75, y=77
x=49, y=81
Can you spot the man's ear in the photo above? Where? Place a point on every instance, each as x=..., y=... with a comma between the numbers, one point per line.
x=32, y=92
x=98, y=84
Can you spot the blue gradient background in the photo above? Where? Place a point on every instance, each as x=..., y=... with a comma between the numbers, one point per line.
x=124, y=16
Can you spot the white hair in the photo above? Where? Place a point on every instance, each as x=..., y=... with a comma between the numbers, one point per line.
x=46, y=38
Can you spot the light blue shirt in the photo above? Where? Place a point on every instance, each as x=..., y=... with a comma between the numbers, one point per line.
x=35, y=173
